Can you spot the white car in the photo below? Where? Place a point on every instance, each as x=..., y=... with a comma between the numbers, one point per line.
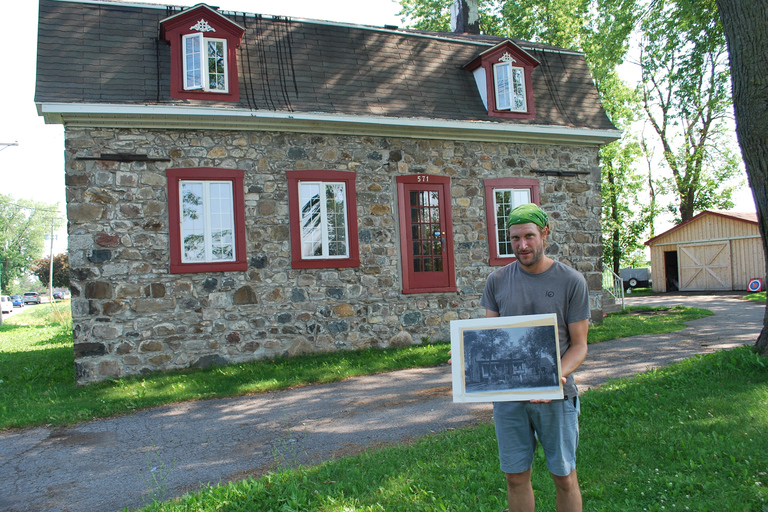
x=6, y=304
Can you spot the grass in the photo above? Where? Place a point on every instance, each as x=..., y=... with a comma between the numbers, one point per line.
x=37, y=381
x=37, y=375
x=637, y=320
x=636, y=292
x=757, y=297
x=687, y=437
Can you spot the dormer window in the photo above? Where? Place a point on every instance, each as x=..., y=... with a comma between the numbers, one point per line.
x=203, y=54
x=205, y=63
x=503, y=78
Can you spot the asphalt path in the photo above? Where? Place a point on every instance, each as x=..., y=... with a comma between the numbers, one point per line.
x=106, y=465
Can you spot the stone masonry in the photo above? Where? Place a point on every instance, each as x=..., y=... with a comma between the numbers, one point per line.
x=132, y=316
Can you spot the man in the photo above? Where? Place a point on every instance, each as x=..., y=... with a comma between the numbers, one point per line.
x=537, y=284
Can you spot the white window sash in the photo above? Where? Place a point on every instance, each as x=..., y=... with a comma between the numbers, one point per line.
x=193, y=46
x=516, y=197
x=317, y=226
x=509, y=85
x=211, y=237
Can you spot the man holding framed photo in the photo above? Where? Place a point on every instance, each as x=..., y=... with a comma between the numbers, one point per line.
x=536, y=284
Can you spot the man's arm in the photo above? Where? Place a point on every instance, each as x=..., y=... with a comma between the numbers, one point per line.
x=491, y=314
x=577, y=352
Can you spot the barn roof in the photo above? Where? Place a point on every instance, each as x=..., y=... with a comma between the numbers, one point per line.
x=109, y=53
x=749, y=217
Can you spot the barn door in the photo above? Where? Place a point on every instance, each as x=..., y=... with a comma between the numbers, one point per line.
x=705, y=267
x=426, y=233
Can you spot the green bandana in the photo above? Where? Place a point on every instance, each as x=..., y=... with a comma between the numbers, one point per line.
x=526, y=213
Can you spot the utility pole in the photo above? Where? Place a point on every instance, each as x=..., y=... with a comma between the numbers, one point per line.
x=50, y=270
x=4, y=145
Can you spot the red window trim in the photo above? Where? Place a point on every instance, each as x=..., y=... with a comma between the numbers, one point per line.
x=174, y=176
x=348, y=177
x=490, y=215
x=404, y=214
x=172, y=29
x=525, y=61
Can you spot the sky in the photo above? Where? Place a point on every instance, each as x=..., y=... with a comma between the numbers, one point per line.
x=34, y=169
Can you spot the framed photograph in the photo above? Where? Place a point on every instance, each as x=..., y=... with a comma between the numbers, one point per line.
x=506, y=359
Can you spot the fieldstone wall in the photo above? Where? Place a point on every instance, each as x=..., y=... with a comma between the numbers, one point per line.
x=132, y=316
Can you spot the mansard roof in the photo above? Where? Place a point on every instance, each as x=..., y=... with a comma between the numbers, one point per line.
x=110, y=53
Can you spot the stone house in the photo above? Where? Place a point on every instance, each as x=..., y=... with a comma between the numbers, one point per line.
x=243, y=186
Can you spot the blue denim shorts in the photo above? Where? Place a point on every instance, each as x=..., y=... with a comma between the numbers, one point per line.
x=555, y=424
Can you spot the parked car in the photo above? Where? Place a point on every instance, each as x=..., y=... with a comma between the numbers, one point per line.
x=6, y=306
x=31, y=298
x=18, y=301
x=636, y=277
x=58, y=295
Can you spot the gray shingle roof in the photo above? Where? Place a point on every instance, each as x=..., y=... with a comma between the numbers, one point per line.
x=110, y=53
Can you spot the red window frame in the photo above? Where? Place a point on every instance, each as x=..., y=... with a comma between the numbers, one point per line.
x=175, y=176
x=490, y=185
x=412, y=283
x=348, y=177
x=522, y=59
x=172, y=29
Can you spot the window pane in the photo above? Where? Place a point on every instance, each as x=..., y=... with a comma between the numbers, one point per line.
x=193, y=222
x=518, y=90
x=503, y=86
x=222, y=222
x=216, y=80
x=311, y=231
x=193, y=63
x=336, y=210
x=504, y=201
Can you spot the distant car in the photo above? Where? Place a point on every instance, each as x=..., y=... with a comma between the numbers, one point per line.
x=58, y=295
x=31, y=298
x=6, y=306
x=18, y=301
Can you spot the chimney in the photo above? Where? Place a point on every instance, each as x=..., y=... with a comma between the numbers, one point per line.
x=464, y=17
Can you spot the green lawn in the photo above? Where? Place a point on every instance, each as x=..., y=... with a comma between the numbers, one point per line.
x=37, y=380
x=687, y=437
x=757, y=297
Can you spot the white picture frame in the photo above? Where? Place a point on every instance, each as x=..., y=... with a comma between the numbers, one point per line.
x=506, y=359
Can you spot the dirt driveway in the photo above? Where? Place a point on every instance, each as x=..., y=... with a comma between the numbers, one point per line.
x=106, y=465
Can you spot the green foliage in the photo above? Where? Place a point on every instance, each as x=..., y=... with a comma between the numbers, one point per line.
x=687, y=100
x=23, y=226
x=37, y=381
x=42, y=268
x=687, y=437
x=757, y=297
x=639, y=320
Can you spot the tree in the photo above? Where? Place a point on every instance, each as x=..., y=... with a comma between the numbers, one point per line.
x=685, y=95
x=601, y=29
x=23, y=226
x=745, y=26
x=42, y=267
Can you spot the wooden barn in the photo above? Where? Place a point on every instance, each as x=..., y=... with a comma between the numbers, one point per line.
x=712, y=251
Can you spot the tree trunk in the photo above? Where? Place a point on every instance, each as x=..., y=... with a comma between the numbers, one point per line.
x=746, y=29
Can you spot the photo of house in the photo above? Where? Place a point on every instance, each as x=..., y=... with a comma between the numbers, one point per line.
x=242, y=186
x=510, y=358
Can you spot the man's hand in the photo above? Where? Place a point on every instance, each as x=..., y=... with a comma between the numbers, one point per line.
x=546, y=401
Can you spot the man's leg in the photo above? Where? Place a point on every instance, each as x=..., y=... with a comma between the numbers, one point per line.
x=520, y=492
x=568, y=492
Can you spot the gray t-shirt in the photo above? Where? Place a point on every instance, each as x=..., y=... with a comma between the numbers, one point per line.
x=511, y=291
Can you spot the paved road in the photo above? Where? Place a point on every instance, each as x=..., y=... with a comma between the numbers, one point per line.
x=106, y=465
